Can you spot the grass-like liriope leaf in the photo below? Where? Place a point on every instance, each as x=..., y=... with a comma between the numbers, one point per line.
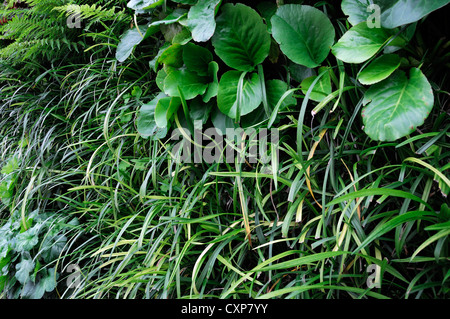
x=378, y=191
x=300, y=289
x=430, y=167
x=392, y=223
x=429, y=241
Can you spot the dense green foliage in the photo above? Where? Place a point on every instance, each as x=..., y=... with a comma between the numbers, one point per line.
x=95, y=202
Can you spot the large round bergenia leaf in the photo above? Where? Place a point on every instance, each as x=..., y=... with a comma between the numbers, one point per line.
x=393, y=13
x=397, y=105
x=190, y=83
x=305, y=34
x=196, y=58
x=146, y=124
x=379, y=69
x=144, y=4
x=227, y=96
x=128, y=41
x=241, y=39
x=201, y=20
x=360, y=43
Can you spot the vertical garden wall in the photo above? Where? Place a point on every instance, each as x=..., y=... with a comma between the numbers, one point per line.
x=213, y=149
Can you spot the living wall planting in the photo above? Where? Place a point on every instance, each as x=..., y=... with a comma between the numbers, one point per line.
x=224, y=149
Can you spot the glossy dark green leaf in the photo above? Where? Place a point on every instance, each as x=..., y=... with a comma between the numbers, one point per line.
x=275, y=90
x=379, y=69
x=396, y=106
x=48, y=280
x=304, y=33
x=160, y=77
x=190, y=83
x=196, y=58
x=199, y=111
x=213, y=87
x=164, y=110
x=52, y=247
x=144, y=4
x=241, y=39
x=393, y=13
x=146, y=124
x=227, y=96
x=322, y=88
x=360, y=43
x=201, y=20
x=172, y=56
x=191, y=2
x=221, y=122
x=128, y=41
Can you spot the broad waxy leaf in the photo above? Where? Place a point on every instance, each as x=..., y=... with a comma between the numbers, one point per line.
x=196, y=58
x=35, y=290
x=186, y=1
x=23, y=269
x=360, y=43
x=396, y=106
x=172, y=56
x=241, y=39
x=190, y=83
x=128, y=41
x=305, y=34
x=227, y=96
x=393, y=13
x=275, y=90
x=379, y=69
x=221, y=122
x=144, y=4
x=213, y=87
x=165, y=109
x=28, y=239
x=201, y=20
x=160, y=77
x=267, y=10
x=52, y=247
x=199, y=112
x=146, y=124
x=322, y=88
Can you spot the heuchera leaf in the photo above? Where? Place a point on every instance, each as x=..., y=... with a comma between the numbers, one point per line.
x=241, y=39
x=23, y=269
x=305, y=34
x=393, y=13
x=397, y=105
